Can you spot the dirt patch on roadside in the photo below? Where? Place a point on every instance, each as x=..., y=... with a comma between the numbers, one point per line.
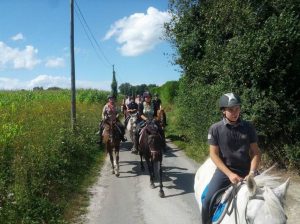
x=292, y=207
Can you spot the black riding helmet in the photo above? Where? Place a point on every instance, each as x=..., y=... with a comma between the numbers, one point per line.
x=110, y=97
x=229, y=100
x=146, y=94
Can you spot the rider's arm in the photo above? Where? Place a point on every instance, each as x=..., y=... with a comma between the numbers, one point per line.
x=103, y=112
x=214, y=155
x=255, y=157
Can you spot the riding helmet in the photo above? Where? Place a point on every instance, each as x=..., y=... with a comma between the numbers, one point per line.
x=110, y=97
x=229, y=100
x=146, y=94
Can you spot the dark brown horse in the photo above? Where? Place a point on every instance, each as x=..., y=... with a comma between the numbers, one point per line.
x=150, y=147
x=161, y=117
x=111, y=139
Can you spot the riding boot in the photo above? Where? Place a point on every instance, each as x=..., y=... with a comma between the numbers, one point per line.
x=165, y=119
x=122, y=132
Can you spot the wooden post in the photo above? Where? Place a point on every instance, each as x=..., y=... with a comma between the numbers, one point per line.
x=73, y=90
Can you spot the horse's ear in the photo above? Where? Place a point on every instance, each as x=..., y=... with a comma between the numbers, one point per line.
x=281, y=190
x=251, y=184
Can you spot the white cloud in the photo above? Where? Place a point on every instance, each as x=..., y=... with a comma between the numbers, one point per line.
x=139, y=32
x=47, y=81
x=55, y=63
x=18, y=36
x=9, y=83
x=18, y=59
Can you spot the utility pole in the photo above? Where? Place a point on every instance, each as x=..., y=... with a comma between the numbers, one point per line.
x=73, y=90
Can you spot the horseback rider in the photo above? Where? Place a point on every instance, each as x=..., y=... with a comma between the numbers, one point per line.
x=232, y=147
x=157, y=105
x=132, y=107
x=110, y=111
x=147, y=113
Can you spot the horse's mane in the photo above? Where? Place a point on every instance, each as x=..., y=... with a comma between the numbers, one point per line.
x=264, y=179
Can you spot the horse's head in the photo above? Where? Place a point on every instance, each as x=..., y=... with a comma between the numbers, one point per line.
x=154, y=140
x=111, y=133
x=132, y=120
x=264, y=204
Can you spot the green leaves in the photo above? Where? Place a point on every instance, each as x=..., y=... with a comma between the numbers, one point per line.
x=248, y=47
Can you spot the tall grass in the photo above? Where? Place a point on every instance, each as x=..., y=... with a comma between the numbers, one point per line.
x=42, y=161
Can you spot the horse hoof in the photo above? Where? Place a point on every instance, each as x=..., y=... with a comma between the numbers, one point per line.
x=152, y=185
x=161, y=194
x=113, y=172
x=117, y=174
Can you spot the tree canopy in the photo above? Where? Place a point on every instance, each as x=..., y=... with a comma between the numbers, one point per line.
x=251, y=48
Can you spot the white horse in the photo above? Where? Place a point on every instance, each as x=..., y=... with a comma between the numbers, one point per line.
x=260, y=201
x=131, y=128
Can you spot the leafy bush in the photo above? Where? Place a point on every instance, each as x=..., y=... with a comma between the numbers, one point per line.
x=250, y=48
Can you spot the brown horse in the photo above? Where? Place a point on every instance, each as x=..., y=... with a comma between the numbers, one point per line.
x=161, y=118
x=150, y=147
x=111, y=139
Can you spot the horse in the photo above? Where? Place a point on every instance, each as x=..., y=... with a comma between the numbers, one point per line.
x=259, y=201
x=111, y=139
x=161, y=117
x=150, y=147
x=131, y=128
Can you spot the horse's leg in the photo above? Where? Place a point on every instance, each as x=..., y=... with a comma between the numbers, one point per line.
x=117, y=149
x=161, y=191
x=109, y=149
x=142, y=164
x=151, y=171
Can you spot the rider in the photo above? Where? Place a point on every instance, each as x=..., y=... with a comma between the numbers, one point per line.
x=132, y=108
x=232, y=147
x=147, y=113
x=157, y=105
x=110, y=111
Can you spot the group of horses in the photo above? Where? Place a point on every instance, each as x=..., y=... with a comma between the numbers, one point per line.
x=257, y=200
x=149, y=145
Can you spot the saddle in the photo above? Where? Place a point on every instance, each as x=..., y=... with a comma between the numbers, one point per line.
x=219, y=204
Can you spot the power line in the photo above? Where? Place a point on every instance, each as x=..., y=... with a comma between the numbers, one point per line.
x=90, y=35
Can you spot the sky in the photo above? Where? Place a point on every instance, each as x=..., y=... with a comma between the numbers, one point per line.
x=35, y=43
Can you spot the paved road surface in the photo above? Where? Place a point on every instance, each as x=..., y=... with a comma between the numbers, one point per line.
x=129, y=198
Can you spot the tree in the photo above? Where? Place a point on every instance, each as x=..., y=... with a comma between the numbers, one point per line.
x=125, y=89
x=248, y=47
x=114, y=85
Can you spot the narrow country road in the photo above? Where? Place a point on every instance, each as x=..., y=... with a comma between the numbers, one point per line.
x=129, y=198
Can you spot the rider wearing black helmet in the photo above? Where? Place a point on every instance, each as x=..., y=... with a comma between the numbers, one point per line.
x=147, y=113
x=110, y=111
x=158, y=107
x=232, y=147
x=132, y=107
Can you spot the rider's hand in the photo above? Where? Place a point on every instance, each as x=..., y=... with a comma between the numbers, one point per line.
x=234, y=178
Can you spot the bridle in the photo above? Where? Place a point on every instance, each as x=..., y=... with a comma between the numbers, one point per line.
x=233, y=199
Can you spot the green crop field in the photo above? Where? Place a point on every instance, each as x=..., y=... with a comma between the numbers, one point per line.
x=42, y=160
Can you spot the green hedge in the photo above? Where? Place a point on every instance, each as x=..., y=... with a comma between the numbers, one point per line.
x=251, y=48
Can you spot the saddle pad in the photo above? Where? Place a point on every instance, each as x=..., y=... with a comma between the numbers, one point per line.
x=219, y=212
x=221, y=207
